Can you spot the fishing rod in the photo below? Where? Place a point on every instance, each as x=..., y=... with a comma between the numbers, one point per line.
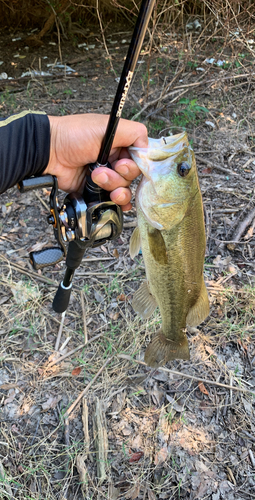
x=87, y=220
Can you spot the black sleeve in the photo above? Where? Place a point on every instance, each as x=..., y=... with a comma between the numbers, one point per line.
x=24, y=147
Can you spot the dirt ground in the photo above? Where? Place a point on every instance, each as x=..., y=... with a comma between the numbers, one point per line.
x=186, y=430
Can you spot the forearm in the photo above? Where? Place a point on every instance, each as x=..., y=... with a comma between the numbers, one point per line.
x=24, y=147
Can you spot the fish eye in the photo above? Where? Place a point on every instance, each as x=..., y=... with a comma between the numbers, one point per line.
x=183, y=168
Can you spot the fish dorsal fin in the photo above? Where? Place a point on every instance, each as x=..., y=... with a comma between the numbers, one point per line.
x=135, y=243
x=200, y=310
x=157, y=246
x=143, y=301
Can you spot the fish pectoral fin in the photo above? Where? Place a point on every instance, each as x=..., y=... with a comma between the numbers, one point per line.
x=143, y=301
x=157, y=246
x=200, y=310
x=160, y=350
x=135, y=243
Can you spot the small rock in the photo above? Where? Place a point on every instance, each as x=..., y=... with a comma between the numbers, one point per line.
x=210, y=124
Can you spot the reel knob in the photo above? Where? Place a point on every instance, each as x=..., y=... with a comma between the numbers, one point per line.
x=47, y=257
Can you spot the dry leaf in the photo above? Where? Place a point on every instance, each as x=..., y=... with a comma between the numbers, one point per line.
x=115, y=253
x=161, y=456
x=249, y=233
x=113, y=493
x=22, y=292
x=133, y=492
x=202, y=489
x=22, y=223
x=210, y=350
x=82, y=470
x=2, y=301
x=76, y=371
x=121, y=297
x=51, y=402
x=136, y=457
x=102, y=246
x=156, y=394
x=6, y=387
x=37, y=246
x=99, y=298
x=202, y=388
x=151, y=495
x=114, y=316
x=206, y=170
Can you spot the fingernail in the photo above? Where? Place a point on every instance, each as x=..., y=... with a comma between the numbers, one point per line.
x=101, y=178
x=121, y=197
x=122, y=169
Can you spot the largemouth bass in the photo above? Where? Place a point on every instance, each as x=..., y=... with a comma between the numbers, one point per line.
x=171, y=234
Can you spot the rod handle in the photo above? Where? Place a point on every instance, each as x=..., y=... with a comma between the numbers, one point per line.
x=92, y=192
x=62, y=297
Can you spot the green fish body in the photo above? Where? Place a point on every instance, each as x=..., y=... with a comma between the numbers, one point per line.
x=171, y=234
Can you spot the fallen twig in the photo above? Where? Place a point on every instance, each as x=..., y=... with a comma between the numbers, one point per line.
x=191, y=377
x=158, y=99
x=31, y=274
x=84, y=319
x=85, y=417
x=217, y=167
x=44, y=204
x=82, y=394
x=82, y=470
x=67, y=434
x=251, y=458
x=60, y=331
x=68, y=354
x=187, y=87
x=100, y=439
x=240, y=229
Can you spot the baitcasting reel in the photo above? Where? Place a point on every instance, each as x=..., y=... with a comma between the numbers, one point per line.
x=83, y=221
x=91, y=218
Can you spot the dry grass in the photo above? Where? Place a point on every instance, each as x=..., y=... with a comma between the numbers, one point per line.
x=153, y=427
x=173, y=14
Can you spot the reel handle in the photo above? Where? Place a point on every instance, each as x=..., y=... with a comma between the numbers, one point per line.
x=45, y=181
x=47, y=257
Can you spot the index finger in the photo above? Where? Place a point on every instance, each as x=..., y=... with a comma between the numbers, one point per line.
x=130, y=134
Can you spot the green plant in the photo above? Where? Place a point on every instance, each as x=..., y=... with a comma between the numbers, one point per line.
x=169, y=417
x=86, y=289
x=190, y=113
x=155, y=127
x=192, y=64
x=227, y=65
x=8, y=99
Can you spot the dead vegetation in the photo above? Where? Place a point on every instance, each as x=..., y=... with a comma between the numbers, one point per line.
x=81, y=415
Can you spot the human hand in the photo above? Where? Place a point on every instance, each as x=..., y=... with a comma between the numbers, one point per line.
x=76, y=141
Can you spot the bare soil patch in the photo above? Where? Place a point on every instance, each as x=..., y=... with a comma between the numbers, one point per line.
x=135, y=433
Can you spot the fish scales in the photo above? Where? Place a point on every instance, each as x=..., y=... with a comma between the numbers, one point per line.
x=171, y=234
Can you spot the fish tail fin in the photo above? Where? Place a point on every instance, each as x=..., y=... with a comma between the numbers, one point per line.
x=160, y=350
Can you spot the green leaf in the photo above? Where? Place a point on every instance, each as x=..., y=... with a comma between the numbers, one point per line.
x=193, y=102
x=184, y=100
